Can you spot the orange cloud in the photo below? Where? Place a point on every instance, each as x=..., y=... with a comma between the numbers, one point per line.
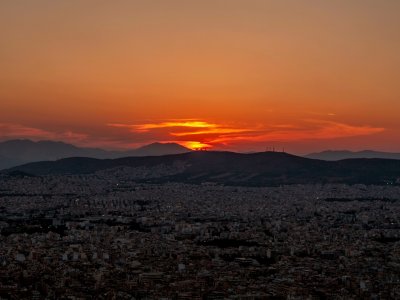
x=319, y=130
x=170, y=124
x=211, y=131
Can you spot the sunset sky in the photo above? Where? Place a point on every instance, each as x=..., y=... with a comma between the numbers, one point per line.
x=239, y=75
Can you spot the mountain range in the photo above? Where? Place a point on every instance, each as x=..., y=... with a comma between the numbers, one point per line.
x=345, y=154
x=18, y=152
x=229, y=168
x=173, y=162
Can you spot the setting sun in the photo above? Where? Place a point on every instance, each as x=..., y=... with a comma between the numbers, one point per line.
x=196, y=145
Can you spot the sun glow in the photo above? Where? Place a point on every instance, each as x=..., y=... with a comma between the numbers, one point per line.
x=196, y=145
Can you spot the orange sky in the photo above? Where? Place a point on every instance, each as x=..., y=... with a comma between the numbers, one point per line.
x=240, y=75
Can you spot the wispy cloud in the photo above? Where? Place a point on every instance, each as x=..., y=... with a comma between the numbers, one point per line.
x=193, y=133
x=322, y=130
x=169, y=124
x=200, y=133
x=10, y=130
x=19, y=131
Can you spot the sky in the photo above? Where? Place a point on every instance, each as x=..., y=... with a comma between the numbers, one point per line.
x=239, y=75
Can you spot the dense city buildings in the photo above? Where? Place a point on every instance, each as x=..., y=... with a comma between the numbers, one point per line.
x=105, y=236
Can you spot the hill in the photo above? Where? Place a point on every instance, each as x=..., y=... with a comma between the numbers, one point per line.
x=157, y=149
x=257, y=169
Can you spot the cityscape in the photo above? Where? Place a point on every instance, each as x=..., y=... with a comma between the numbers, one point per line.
x=103, y=236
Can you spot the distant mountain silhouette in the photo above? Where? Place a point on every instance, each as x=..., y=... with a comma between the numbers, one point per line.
x=258, y=169
x=18, y=152
x=344, y=154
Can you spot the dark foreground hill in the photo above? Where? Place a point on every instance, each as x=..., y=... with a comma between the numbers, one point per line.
x=266, y=168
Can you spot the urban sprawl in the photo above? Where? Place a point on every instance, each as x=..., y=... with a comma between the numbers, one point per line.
x=107, y=236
